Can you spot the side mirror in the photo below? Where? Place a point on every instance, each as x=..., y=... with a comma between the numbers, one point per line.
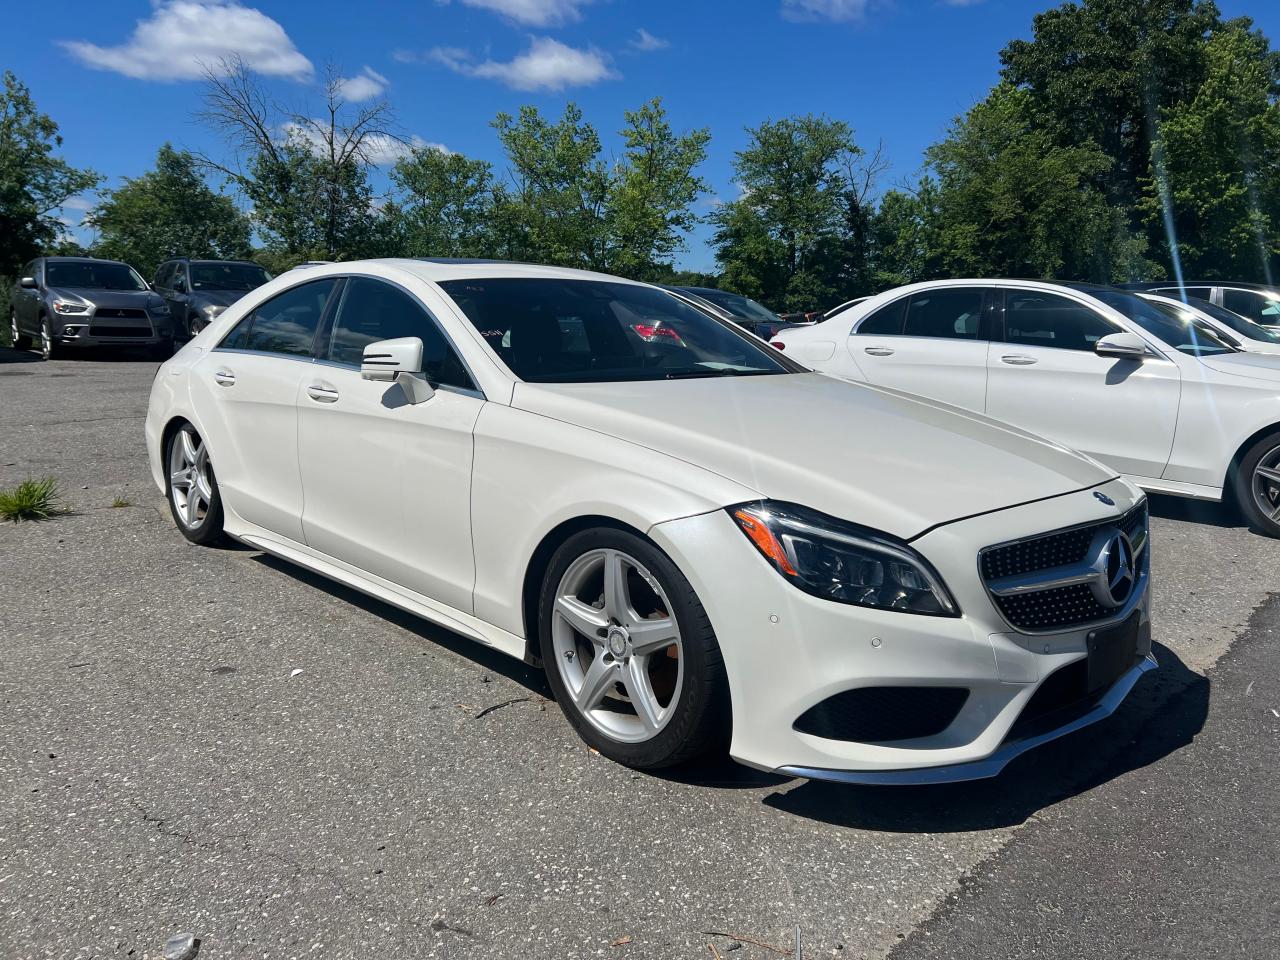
x=400, y=360
x=179, y=285
x=1123, y=346
x=27, y=283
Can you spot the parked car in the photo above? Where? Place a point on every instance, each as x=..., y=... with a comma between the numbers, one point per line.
x=1164, y=402
x=198, y=290
x=1234, y=329
x=80, y=301
x=1254, y=301
x=834, y=311
x=493, y=447
x=763, y=324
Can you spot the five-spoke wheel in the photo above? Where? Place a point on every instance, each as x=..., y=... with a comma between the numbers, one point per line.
x=629, y=651
x=193, y=489
x=17, y=339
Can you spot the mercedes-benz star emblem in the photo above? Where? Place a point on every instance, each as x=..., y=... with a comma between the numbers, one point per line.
x=1114, y=572
x=1104, y=498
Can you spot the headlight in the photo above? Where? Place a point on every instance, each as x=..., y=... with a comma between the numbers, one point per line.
x=212, y=310
x=65, y=307
x=842, y=561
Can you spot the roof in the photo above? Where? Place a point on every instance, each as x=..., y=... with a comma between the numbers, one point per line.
x=440, y=270
x=1174, y=284
x=82, y=260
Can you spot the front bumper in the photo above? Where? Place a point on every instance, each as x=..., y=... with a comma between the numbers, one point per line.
x=75, y=330
x=786, y=651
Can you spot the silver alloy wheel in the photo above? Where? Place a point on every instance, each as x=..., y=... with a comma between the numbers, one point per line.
x=46, y=340
x=190, y=477
x=617, y=662
x=14, y=335
x=1266, y=484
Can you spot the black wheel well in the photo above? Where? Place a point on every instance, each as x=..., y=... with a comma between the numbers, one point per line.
x=537, y=568
x=1228, y=484
x=170, y=429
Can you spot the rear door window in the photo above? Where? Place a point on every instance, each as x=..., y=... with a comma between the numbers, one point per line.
x=953, y=314
x=887, y=321
x=1258, y=306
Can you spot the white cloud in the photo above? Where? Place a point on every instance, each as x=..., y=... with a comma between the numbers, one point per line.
x=380, y=149
x=365, y=85
x=183, y=37
x=646, y=41
x=962, y=3
x=838, y=10
x=79, y=203
x=547, y=65
x=535, y=13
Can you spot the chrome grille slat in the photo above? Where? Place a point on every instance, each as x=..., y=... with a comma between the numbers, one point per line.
x=1041, y=584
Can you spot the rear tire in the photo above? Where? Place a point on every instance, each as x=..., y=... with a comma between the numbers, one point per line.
x=192, y=489
x=17, y=339
x=1256, y=485
x=631, y=655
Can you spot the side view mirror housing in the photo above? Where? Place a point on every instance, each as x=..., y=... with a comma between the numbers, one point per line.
x=399, y=360
x=27, y=283
x=179, y=286
x=1123, y=346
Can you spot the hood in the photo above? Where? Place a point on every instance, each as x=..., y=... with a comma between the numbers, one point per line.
x=137, y=299
x=216, y=298
x=873, y=456
x=1256, y=366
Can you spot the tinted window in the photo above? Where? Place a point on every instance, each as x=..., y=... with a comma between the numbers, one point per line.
x=1181, y=293
x=1195, y=339
x=1258, y=307
x=953, y=314
x=286, y=323
x=736, y=304
x=1048, y=320
x=561, y=331
x=163, y=276
x=372, y=310
x=887, y=321
x=227, y=276
x=92, y=275
x=1233, y=321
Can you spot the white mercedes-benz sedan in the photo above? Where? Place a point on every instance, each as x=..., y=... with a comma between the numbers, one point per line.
x=1164, y=401
x=1237, y=331
x=574, y=469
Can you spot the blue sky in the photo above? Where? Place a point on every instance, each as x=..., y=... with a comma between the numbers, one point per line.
x=118, y=75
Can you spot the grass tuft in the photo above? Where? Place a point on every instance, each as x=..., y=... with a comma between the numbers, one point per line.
x=33, y=499
x=121, y=502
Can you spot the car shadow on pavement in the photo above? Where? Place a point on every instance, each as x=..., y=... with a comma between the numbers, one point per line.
x=1164, y=713
x=531, y=678
x=10, y=355
x=1214, y=513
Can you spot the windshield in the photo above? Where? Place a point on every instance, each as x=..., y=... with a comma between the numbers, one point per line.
x=1196, y=339
x=1241, y=325
x=91, y=275
x=737, y=304
x=583, y=331
x=227, y=276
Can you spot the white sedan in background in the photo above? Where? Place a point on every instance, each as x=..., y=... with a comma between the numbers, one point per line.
x=1238, y=331
x=1165, y=402
x=571, y=468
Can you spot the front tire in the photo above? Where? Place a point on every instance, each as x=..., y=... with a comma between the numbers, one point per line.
x=50, y=349
x=17, y=339
x=192, y=488
x=630, y=653
x=1257, y=485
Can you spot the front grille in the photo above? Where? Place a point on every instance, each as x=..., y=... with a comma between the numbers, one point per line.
x=883, y=714
x=120, y=313
x=1058, y=607
x=106, y=330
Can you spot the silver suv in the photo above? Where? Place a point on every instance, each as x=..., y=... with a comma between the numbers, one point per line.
x=64, y=301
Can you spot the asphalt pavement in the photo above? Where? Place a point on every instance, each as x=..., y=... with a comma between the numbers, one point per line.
x=213, y=741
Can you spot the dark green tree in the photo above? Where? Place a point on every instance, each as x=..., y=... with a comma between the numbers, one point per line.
x=785, y=239
x=34, y=180
x=445, y=205
x=1214, y=183
x=168, y=212
x=652, y=193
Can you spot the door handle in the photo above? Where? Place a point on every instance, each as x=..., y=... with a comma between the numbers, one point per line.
x=878, y=351
x=224, y=378
x=1018, y=359
x=322, y=393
